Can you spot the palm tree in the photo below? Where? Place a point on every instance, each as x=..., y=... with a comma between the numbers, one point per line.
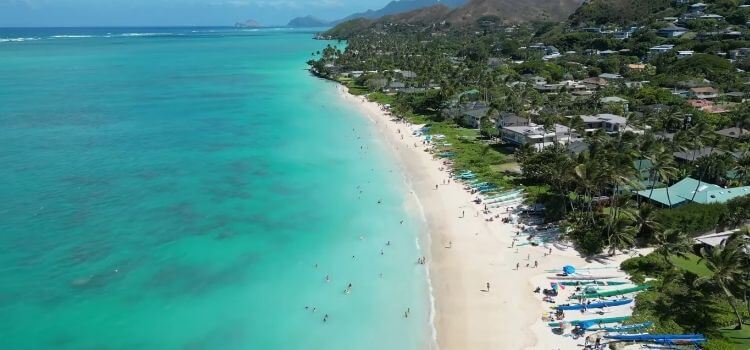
x=662, y=168
x=645, y=221
x=621, y=233
x=725, y=261
x=672, y=242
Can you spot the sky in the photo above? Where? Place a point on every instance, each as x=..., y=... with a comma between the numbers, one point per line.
x=71, y=13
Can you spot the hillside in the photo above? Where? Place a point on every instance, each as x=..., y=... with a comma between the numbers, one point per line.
x=623, y=12
x=402, y=6
x=505, y=11
x=514, y=11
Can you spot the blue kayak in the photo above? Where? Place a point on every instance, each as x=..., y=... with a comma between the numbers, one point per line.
x=597, y=305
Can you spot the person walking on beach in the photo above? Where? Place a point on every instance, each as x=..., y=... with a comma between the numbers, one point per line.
x=488, y=287
x=518, y=265
x=536, y=264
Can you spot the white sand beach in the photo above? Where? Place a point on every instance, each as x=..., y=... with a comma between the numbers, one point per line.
x=466, y=253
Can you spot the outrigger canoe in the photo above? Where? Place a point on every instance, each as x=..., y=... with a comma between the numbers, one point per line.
x=616, y=292
x=595, y=321
x=598, y=283
x=582, y=277
x=597, y=305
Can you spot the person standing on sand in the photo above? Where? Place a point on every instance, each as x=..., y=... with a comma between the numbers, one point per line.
x=518, y=265
x=536, y=264
x=488, y=287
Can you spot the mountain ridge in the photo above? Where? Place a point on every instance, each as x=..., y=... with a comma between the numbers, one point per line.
x=392, y=8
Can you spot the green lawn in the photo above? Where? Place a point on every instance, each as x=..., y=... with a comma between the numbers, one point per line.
x=740, y=339
x=691, y=264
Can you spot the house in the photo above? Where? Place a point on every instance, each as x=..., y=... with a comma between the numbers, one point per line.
x=660, y=49
x=354, y=74
x=615, y=101
x=691, y=190
x=577, y=147
x=705, y=93
x=535, y=135
x=671, y=31
x=707, y=106
x=594, y=83
x=698, y=7
x=621, y=35
x=472, y=118
x=712, y=17
x=738, y=54
x=636, y=67
x=684, y=53
x=534, y=79
x=734, y=133
x=635, y=84
x=610, y=76
x=693, y=155
x=394, y=86
x=610, y=123
x=506, y=119
x=408, y=74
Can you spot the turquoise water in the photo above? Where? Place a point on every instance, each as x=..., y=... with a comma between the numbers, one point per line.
x=176, y=188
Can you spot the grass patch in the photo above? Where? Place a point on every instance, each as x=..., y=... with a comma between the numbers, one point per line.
x=471, y=154
x=381, y=98
x=691, y=264
x=740, y=339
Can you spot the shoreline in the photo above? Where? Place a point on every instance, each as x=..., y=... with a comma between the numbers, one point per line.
x=465, y=252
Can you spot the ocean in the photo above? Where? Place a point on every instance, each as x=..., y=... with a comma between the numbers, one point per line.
x=191, y=188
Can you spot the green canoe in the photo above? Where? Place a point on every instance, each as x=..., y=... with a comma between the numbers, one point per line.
x=616, y=292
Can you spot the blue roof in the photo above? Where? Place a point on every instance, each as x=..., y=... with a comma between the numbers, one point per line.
x=689, y=189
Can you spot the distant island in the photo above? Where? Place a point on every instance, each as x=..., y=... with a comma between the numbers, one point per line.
x=248, y=24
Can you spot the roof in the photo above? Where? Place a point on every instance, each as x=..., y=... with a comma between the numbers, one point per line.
x=680, y=192
x=613, y=99
x=604, y=117
x=610, y=76
x=673, y=28
x=577, y=147
x=734, y=132
x=705, y=89
x=477, y=113
x=721, y=195
x=691, y=155
x=595, y=81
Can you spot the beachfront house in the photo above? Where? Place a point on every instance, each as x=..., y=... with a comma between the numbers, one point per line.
x=472, y=118
x=691, y=190
x=535, y=135
x=506, y=119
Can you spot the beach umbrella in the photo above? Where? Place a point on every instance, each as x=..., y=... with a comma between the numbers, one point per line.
x=569, y=269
